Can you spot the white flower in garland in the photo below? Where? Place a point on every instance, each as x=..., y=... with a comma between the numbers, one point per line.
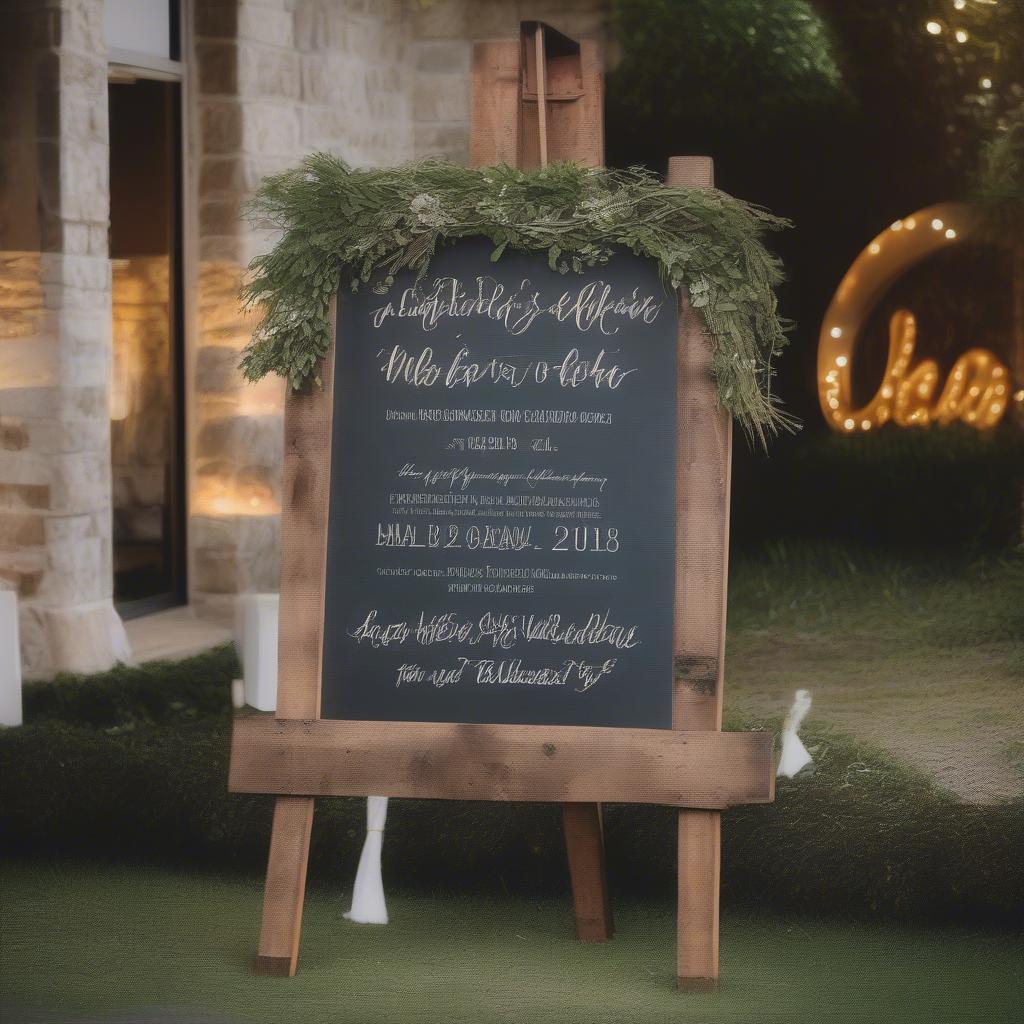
x=428, y=211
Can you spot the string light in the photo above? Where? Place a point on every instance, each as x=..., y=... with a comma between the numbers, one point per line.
x=961, y=36
x=986, y=83
x=933, y=27
x=976, y=390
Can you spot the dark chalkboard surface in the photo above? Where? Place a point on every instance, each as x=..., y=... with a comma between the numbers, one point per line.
x=501, y=542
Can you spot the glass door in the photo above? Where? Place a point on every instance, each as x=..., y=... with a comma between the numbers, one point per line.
x=146, y=394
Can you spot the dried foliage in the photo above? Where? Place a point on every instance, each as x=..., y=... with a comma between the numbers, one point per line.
x=340, y=226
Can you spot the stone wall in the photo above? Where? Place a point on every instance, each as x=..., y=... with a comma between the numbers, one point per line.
x=55, y=540
x=374, y=81
x=277, y=79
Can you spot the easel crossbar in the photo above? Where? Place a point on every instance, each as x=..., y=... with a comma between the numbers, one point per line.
x=709, y=770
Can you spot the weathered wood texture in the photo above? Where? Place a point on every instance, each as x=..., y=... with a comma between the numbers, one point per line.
x=700, y=858
x=704, y=461
x=494, y=116
x=562, y=100
x=305, y=493
x=584, y=847
x=285, y=889
x=500, y=762
x=545, y=100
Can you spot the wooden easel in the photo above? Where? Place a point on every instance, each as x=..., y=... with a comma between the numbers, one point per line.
x=535, y=99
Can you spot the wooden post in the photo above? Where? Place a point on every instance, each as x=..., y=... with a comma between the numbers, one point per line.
x=504, y=129
x=584, y=847
x=304, y=506
x=704, y=454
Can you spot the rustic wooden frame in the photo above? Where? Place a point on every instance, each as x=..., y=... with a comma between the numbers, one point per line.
x=693, y=766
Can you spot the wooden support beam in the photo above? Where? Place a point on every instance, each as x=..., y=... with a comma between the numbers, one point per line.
x=327, y=757
x=285, y=889
x=584, y=846
x=704, y=461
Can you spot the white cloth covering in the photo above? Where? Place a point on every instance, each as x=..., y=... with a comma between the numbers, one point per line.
x=368, y=905
x=794, y=753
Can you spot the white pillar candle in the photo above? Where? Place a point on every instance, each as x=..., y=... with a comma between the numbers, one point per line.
x=10, y=660
x=256, y=618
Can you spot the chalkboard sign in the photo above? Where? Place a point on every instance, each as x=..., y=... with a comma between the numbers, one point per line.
x=501, y=540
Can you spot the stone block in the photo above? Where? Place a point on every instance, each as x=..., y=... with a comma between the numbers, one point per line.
x=220, y=123
x=217, y=369
x=441, y=97
x=216, y=19
x=444, y=56
x=80, y=481
x=243, y=440
x=268, y=71
x=88, y=637
x=450, y=141
x=445, y=19
x=27, y=364
x=269, y=127
x=82, y=27
x=265, y=25
x=217, y=63
x=24, y=496
x=220, y=216
x=85, y=183
x=13, y=434
x=21, y=530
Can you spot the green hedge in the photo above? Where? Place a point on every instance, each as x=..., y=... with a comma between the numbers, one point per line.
x=159, y=691
x=859, y=836
x=955, y=490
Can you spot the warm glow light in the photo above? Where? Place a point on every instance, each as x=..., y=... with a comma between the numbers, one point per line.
x=959, y=4
x=986, y=83
x=961, y=36
x=910, y=399
x=911, y=391
x=933, y=27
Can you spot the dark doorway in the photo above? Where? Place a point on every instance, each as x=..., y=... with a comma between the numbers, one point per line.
x=147, y=394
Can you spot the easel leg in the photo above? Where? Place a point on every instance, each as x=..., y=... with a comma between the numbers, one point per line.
x=584, y=844
x=286, y=886
x=700, y=848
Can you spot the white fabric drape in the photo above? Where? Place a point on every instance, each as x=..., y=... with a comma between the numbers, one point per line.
x=794, y=753
x=368, y=905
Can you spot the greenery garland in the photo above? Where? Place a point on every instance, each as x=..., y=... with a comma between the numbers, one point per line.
x=366, y=226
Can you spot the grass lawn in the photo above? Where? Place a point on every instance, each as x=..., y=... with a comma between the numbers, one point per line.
x=81, y=940
x=924, y=658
